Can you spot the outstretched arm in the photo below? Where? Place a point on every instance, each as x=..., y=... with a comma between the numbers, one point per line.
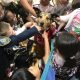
x=47, y=47
x=15, y=39
x=25, y=26
x=27, y=7
x=29, y=24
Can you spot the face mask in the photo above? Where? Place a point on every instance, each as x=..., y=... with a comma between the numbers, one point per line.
x=58, y=59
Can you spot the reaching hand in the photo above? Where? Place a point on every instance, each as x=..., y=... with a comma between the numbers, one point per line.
x=29, y=24
x=45, y=35
x=32, y=24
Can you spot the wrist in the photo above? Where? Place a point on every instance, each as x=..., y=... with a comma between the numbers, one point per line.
x=46, y=38
x=38, y=28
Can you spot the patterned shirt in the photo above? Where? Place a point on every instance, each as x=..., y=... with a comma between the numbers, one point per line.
x=75, y=24
x=62, y=72
x=73, y=21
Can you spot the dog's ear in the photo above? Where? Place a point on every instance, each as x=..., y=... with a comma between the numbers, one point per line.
x=54, y=16
x=37, y=11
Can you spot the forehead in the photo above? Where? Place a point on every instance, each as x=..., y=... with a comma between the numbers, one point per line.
x=63, y=0
x=43, y=14
x=45, y=0
x=9, y=13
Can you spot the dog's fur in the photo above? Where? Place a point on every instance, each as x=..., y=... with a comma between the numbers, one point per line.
x=44, y=19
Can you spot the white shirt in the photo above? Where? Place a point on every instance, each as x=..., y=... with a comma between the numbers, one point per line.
x=20, y=30
x=67, y=17
x=49, y=8
x=5, y=2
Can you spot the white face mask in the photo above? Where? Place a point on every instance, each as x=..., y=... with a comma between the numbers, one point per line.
x=58, y=59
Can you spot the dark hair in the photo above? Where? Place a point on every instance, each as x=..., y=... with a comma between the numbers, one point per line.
x=18, y=10
x=6, y=17
x=67, y=44
x=1, y=5
x=22, y=74
x=75, y=5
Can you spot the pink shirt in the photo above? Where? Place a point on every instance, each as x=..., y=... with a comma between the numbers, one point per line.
x=73, y=21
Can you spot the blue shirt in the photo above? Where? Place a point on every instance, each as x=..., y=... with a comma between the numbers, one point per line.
x=15, y=39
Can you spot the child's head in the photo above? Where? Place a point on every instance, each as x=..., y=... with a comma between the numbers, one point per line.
x=10, y=17
x=22, y=74
x=61, y=2
x=66, y=44
x=5, y=29
x=44, y=2
x=75, y=4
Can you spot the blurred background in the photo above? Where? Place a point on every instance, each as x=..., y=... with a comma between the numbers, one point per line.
x=52, y=1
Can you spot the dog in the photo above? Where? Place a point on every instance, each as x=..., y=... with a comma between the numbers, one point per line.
x=45, y=19
x=48, y=22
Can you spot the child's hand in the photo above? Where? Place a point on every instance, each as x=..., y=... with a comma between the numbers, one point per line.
x=45, y=35
x=33, y=24
x=29, y=24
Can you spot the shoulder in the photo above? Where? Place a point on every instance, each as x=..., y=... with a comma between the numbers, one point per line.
x=76, y=11
x=36, y=5
x=51, y=5
x=5, y=2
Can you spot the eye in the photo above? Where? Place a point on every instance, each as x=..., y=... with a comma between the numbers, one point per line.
x=47, y=18
x=40, y=16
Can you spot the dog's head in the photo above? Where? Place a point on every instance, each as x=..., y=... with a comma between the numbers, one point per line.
x=44, y=19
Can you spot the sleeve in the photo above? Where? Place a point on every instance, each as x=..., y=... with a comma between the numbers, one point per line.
x=20, y=30
x=24, y=35
x=65, y=18
x=6, y=2
x=36, y=5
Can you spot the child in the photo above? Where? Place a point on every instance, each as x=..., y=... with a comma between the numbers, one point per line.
x=72, y=20
x=11, y=18
x=64, y=62
x=35, y=70
x=11, y=40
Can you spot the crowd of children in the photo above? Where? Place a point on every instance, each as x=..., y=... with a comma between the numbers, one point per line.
x=15, y=28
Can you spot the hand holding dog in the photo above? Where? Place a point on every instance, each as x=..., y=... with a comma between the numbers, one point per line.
x=29, y=24
x=45, y=35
